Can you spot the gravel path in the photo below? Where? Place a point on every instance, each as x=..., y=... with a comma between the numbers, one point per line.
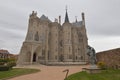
x=49, y=72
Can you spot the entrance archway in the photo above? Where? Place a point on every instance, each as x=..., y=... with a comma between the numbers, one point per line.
x=34, y=57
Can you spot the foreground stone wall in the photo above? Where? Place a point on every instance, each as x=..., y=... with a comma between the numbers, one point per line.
x=110, y=57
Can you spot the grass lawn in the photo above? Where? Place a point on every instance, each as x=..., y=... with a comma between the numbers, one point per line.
x=105, y=75
x=16, y=72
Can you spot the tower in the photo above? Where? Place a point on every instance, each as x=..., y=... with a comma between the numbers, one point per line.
x=67, y=39
x=54, y=42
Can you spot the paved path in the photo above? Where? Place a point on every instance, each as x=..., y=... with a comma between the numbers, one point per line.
x=49, y=72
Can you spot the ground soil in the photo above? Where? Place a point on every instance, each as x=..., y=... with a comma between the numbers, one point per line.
x=49, y=72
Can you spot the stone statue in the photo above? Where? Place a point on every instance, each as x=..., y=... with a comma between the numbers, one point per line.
x=92, y=55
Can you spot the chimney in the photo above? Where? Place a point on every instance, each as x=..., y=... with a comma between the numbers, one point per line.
x=59, y=19
x=83, y=16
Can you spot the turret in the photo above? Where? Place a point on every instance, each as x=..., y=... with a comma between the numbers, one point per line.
x=59, y=19
x=33, y=15
x=83, y=18
x=66, y=17
x=33, y=20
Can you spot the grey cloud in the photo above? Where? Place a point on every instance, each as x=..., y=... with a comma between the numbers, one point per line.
x=10, y=25
x=110, y=30
x=102, y=19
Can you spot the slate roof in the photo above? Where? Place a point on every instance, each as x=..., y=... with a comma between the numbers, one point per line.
x=66, y=17
x=44, y=18
x=78, y=24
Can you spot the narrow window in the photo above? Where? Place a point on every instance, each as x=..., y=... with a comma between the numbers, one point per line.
x=76, y=57
x=36, y=37
x=55, y=57
x=70, y=56
x=69, y=49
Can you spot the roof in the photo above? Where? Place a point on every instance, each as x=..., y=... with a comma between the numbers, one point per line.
x=4, y=51
x=66, y=17
x=78, y=24
x=44, y=18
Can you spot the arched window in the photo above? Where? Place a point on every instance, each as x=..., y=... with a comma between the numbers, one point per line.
x=81, y=57
x=36, y=37
x=80, y=36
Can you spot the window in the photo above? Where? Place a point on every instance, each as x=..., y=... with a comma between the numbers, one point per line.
x=76, y=57
x=48, y=55
x=55, y=57
x=81, y=57
x=61, y=57
x=36, y=37
x=69, y=49
x=81, y=39
x=70, y=56
x=61, y=43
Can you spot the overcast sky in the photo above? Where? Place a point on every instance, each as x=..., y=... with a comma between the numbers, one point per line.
x=102, y=20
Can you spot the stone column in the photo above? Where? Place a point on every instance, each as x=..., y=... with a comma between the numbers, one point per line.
x=31, y=61
x=46, y=47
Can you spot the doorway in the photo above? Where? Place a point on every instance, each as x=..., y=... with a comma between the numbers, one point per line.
x=34, y=57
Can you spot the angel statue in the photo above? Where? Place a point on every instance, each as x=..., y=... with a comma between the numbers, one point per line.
x=92, y=55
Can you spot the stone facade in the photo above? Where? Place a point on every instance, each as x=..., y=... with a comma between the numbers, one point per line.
x=111, y=57
x=50, y=42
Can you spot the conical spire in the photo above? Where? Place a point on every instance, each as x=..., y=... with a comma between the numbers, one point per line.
x=66, y=16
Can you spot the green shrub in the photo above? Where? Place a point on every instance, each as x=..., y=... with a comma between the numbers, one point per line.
x=11, y=60
x=4, y=68
x=11, y=64
x=101, y=65
x=4, y=60
x=8, y=60
x=2, y=63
